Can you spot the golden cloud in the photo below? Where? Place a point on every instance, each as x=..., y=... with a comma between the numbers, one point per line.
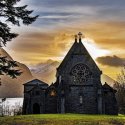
x=114, y=61
x=35, y=46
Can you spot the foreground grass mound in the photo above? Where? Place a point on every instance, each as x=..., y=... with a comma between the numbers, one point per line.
x=63, y=119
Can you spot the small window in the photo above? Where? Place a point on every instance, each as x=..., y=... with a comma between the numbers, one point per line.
x=62, y=92
x=37, y=92
x=53, y=93
x=80, y=99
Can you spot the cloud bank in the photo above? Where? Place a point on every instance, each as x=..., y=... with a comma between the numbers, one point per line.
x=51, y=36
x=114, y=61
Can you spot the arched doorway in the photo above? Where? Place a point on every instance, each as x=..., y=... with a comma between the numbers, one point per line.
x=36, y=108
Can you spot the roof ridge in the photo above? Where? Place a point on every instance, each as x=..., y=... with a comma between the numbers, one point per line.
x=77, y=48
x=68, y=54
x=31, y=81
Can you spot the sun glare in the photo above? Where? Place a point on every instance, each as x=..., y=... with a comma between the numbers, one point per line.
x=94, y=50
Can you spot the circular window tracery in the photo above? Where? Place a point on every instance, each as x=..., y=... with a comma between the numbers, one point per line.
x=80, y=73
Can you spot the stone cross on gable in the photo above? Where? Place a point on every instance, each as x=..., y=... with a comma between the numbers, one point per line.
x=79, y=36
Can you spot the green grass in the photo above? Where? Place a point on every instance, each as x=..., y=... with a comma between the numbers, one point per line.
x=63, y=119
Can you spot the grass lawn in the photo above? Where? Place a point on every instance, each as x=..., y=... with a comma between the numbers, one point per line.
x=63, y=119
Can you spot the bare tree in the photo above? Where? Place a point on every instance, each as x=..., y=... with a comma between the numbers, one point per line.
x=120, y=87
x=17, y=109
x=2, y=106
x=8, y=109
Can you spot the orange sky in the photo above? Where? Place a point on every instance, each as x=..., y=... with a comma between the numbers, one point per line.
x=52, y=35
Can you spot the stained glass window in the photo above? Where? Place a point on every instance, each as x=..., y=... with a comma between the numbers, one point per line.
x=80, y=73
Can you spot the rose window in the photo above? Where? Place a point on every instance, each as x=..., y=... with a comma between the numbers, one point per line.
x=80, y=73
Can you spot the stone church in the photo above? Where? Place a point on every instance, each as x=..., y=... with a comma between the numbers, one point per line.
x=77, y=89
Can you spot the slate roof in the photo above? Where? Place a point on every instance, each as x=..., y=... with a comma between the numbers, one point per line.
x=77, y=49
x=35, y=82
x=39, y=87
x=107, y=87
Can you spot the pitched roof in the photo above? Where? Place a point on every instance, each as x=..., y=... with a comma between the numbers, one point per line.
x=39, y=87
x=108, y=87
x=36, y=82
x=67, y=56
x=77, y=49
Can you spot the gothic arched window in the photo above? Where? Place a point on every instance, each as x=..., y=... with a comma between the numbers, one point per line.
x=80, y=73
x=80, y=99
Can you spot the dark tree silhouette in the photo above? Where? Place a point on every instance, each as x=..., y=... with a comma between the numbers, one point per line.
x=120, y=87
x=10, y=13
x=7, y=67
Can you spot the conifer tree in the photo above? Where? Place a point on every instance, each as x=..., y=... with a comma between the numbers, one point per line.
x=16, y=15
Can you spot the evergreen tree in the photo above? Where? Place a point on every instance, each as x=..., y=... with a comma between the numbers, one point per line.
x=10, y=13
x=7, y=67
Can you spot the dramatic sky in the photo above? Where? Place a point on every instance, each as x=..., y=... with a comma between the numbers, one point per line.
x=50, y=37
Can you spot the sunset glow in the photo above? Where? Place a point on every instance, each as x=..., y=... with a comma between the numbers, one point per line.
x=52, y=35
x=93, y=49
